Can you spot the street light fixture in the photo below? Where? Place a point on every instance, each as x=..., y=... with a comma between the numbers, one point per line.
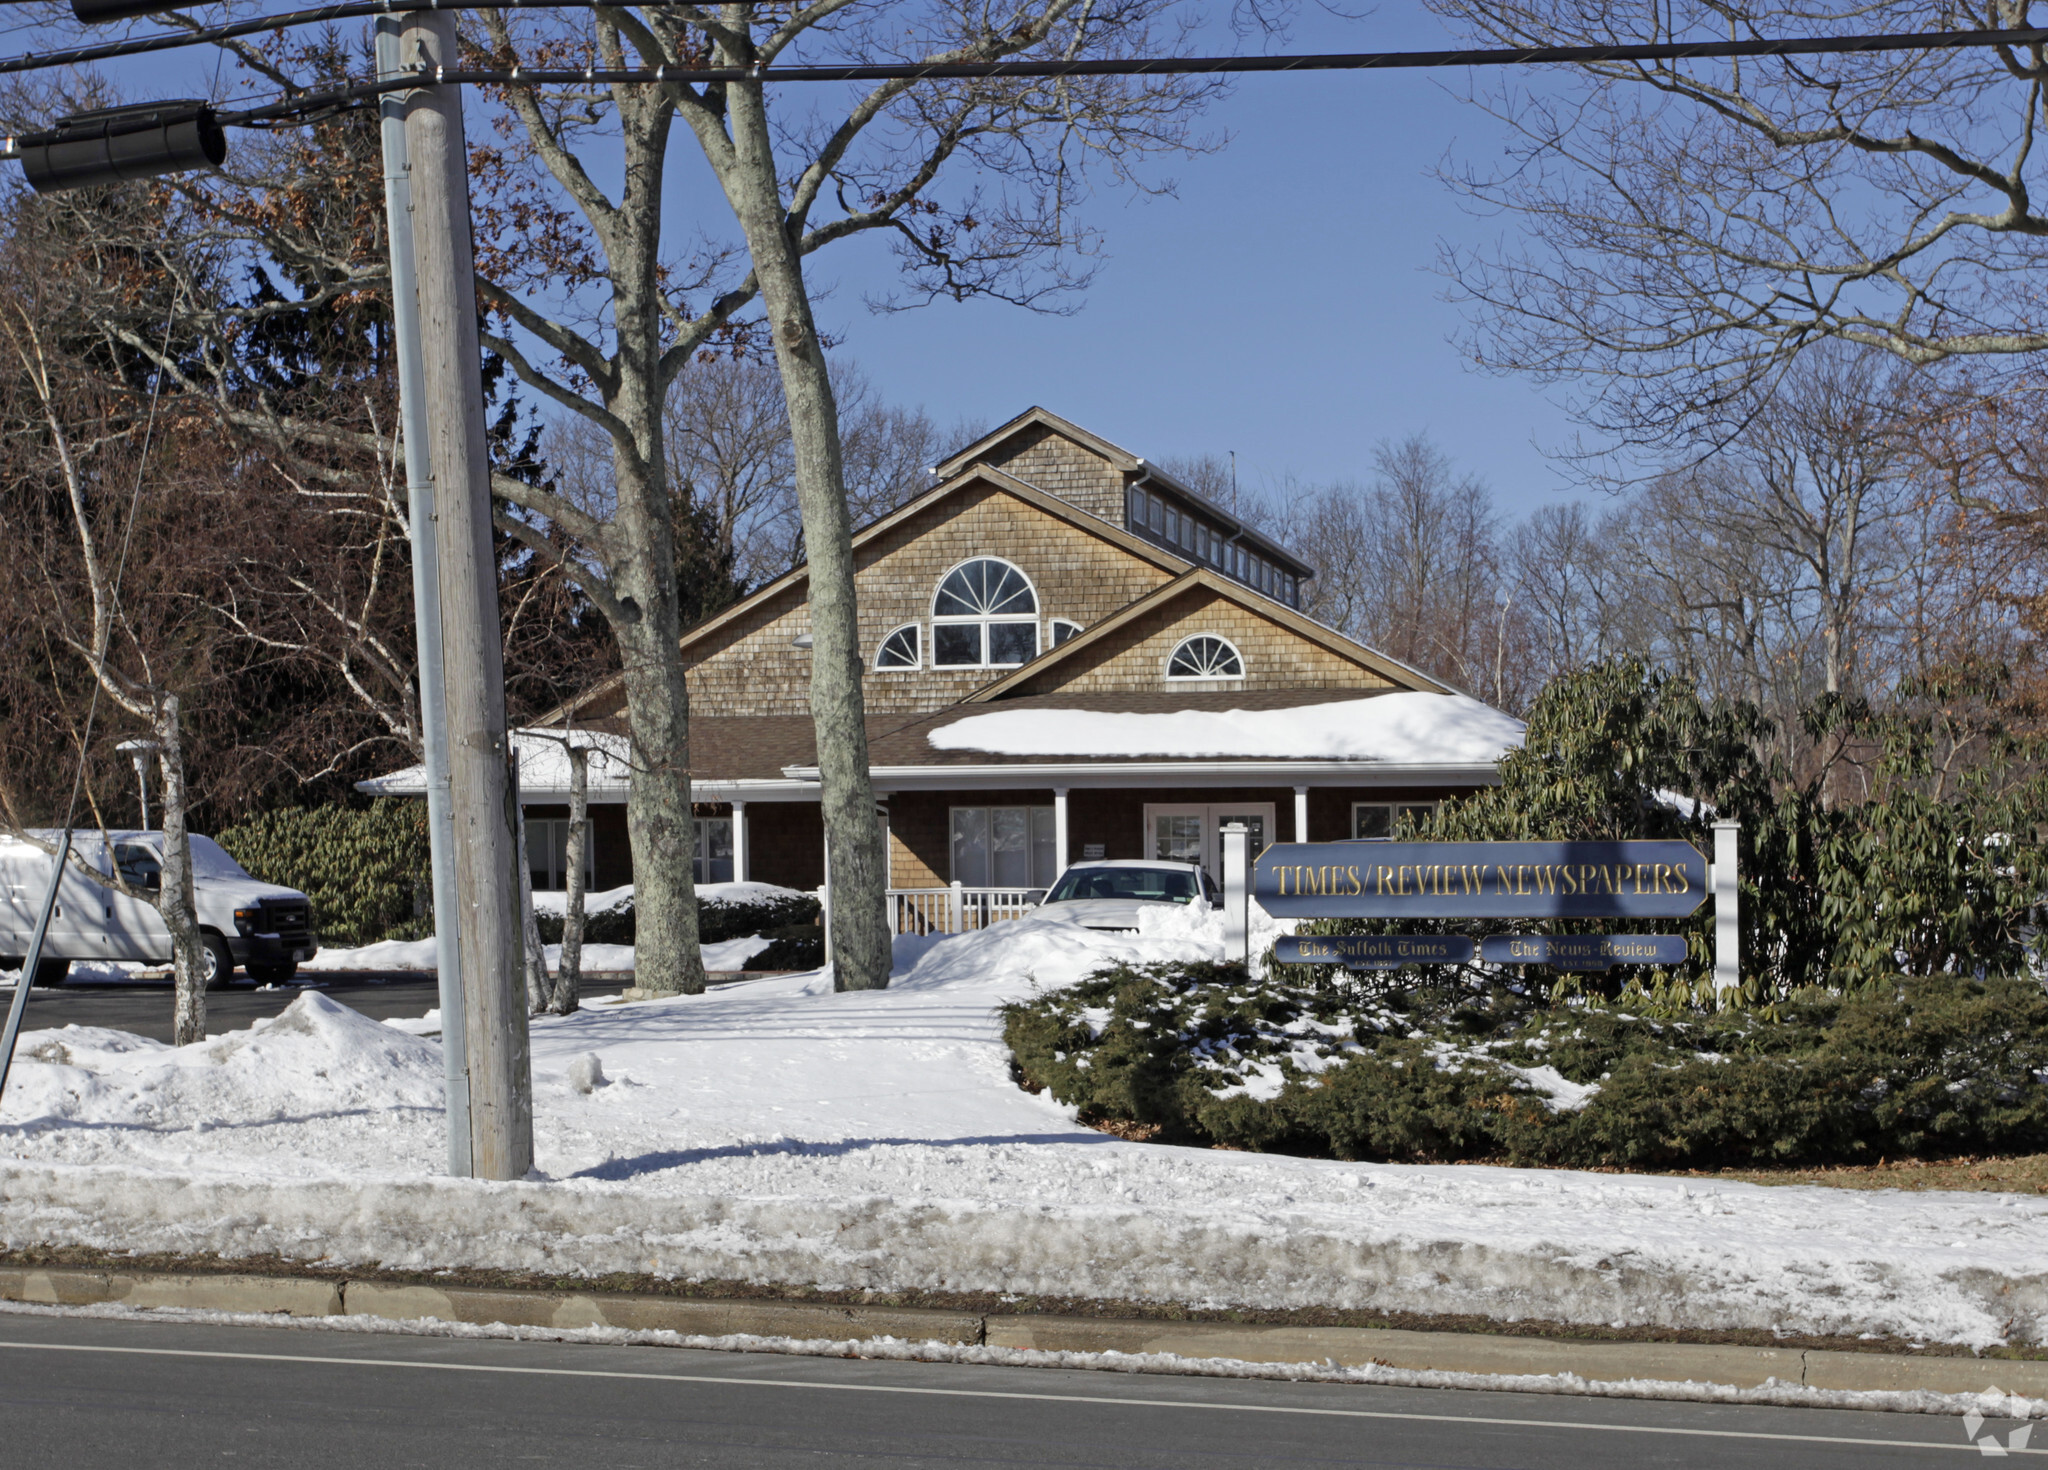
x=140, y=751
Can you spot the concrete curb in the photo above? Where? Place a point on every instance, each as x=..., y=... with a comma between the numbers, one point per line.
x=1448, y=1352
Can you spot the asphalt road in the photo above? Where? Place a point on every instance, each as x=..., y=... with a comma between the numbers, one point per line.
x=83, y=1393
x=144, y=1006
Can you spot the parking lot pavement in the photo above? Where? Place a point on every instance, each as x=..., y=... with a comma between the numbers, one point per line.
x=144, y=1006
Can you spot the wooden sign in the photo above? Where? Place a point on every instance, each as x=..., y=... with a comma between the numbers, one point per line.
x=1500, y=880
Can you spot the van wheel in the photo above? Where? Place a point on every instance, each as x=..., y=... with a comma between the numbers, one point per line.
x=220, y=962
x=52, y=973
x=272, y=974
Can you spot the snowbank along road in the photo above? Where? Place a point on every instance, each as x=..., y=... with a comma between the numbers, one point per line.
x=778, y=1132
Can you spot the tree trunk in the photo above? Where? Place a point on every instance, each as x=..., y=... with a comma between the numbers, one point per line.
x=854, y=845
x=535, y=956
x=666, y=958
x=569, y=973
x=175, y=900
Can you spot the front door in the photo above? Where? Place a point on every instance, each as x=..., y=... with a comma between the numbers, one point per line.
x=1191, y=833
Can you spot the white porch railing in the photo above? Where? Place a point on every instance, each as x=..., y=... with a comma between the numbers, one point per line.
x=957, y=909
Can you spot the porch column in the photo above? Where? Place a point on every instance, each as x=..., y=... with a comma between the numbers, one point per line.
x=739, y=842
x=1301, y=814
x=1059, y=830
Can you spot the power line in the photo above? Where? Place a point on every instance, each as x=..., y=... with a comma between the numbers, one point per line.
x=1077, y=67
x=210, y=35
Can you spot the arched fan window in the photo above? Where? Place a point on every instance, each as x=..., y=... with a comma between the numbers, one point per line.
x=1205, y=656
x=984, y=615
x=1063, y=629
x=900, y=650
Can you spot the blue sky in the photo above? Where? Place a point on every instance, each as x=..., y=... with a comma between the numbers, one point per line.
x=1283, y=305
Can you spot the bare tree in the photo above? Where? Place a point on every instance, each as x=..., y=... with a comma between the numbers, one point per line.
x=141, y=652
x=1687, y=228
x=1411, y=564
x=603, y=318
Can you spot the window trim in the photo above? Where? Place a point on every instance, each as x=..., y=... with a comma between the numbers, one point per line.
x=1032, y=811
x=1058, y=623
x=984, y=622
x=1173, y=653
x=916, y=630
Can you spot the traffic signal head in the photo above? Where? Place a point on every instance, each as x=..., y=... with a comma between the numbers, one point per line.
x=113, y=144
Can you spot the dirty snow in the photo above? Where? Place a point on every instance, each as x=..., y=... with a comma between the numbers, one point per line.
x=779, y=1132
x=1404, y=729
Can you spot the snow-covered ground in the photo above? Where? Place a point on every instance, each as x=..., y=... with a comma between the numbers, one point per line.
x=780, y=1132
x=418, y=954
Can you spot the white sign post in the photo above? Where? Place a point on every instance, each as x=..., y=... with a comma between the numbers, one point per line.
x=1236, y=891
x=1727, y=900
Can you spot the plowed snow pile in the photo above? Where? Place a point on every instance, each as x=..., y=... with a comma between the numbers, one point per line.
x=780, y=1132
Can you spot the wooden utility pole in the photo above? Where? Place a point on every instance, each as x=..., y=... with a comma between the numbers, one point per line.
x=481, y=791
x=426, y=589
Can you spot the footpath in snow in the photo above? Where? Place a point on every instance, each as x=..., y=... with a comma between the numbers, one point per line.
x=778, y=1132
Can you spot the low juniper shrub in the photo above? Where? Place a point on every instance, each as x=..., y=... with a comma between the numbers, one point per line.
x=1203, y=1054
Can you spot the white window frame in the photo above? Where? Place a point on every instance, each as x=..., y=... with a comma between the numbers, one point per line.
x=1166, y=669
x=700, y=848
x=1035, y=817
x=916, y=629
x=1213, y=815
x=1059, y=623
x=1393, y=809
x=984, y=623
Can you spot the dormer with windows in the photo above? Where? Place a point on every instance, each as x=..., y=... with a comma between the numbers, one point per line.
x=1109, y=481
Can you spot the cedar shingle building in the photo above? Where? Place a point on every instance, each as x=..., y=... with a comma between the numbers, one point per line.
x=1070, y=655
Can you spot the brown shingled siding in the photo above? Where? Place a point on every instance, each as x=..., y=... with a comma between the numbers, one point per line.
x=1056, y=464
x=752, y=669
x=1134, y=657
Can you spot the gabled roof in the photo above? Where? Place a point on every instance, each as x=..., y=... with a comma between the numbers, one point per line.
x=977, y=475
x=1393, y=670
x=1036, y=417
x=1123, y=460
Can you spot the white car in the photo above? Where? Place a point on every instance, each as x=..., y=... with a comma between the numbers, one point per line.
x=1111, y=894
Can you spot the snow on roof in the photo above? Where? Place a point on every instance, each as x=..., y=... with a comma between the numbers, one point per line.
x=1402, y=729
x=543, y=765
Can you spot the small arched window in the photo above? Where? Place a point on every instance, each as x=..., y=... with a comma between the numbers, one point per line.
x=902, y=649
x=1205, y=656
x=984, y=615
x=1063, y=629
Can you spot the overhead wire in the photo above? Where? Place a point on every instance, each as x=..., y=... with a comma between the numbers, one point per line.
x=2030, y=37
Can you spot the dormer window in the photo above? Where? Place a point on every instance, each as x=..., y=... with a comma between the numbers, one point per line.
x=984, y=615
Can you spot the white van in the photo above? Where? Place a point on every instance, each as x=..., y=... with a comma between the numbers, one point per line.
x=265, y=929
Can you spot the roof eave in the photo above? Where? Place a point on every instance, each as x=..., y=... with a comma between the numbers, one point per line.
x=1094, y=774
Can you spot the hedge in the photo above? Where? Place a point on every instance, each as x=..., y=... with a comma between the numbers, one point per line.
x=366, y=869
x=1202, y=1054
x=716, y=922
